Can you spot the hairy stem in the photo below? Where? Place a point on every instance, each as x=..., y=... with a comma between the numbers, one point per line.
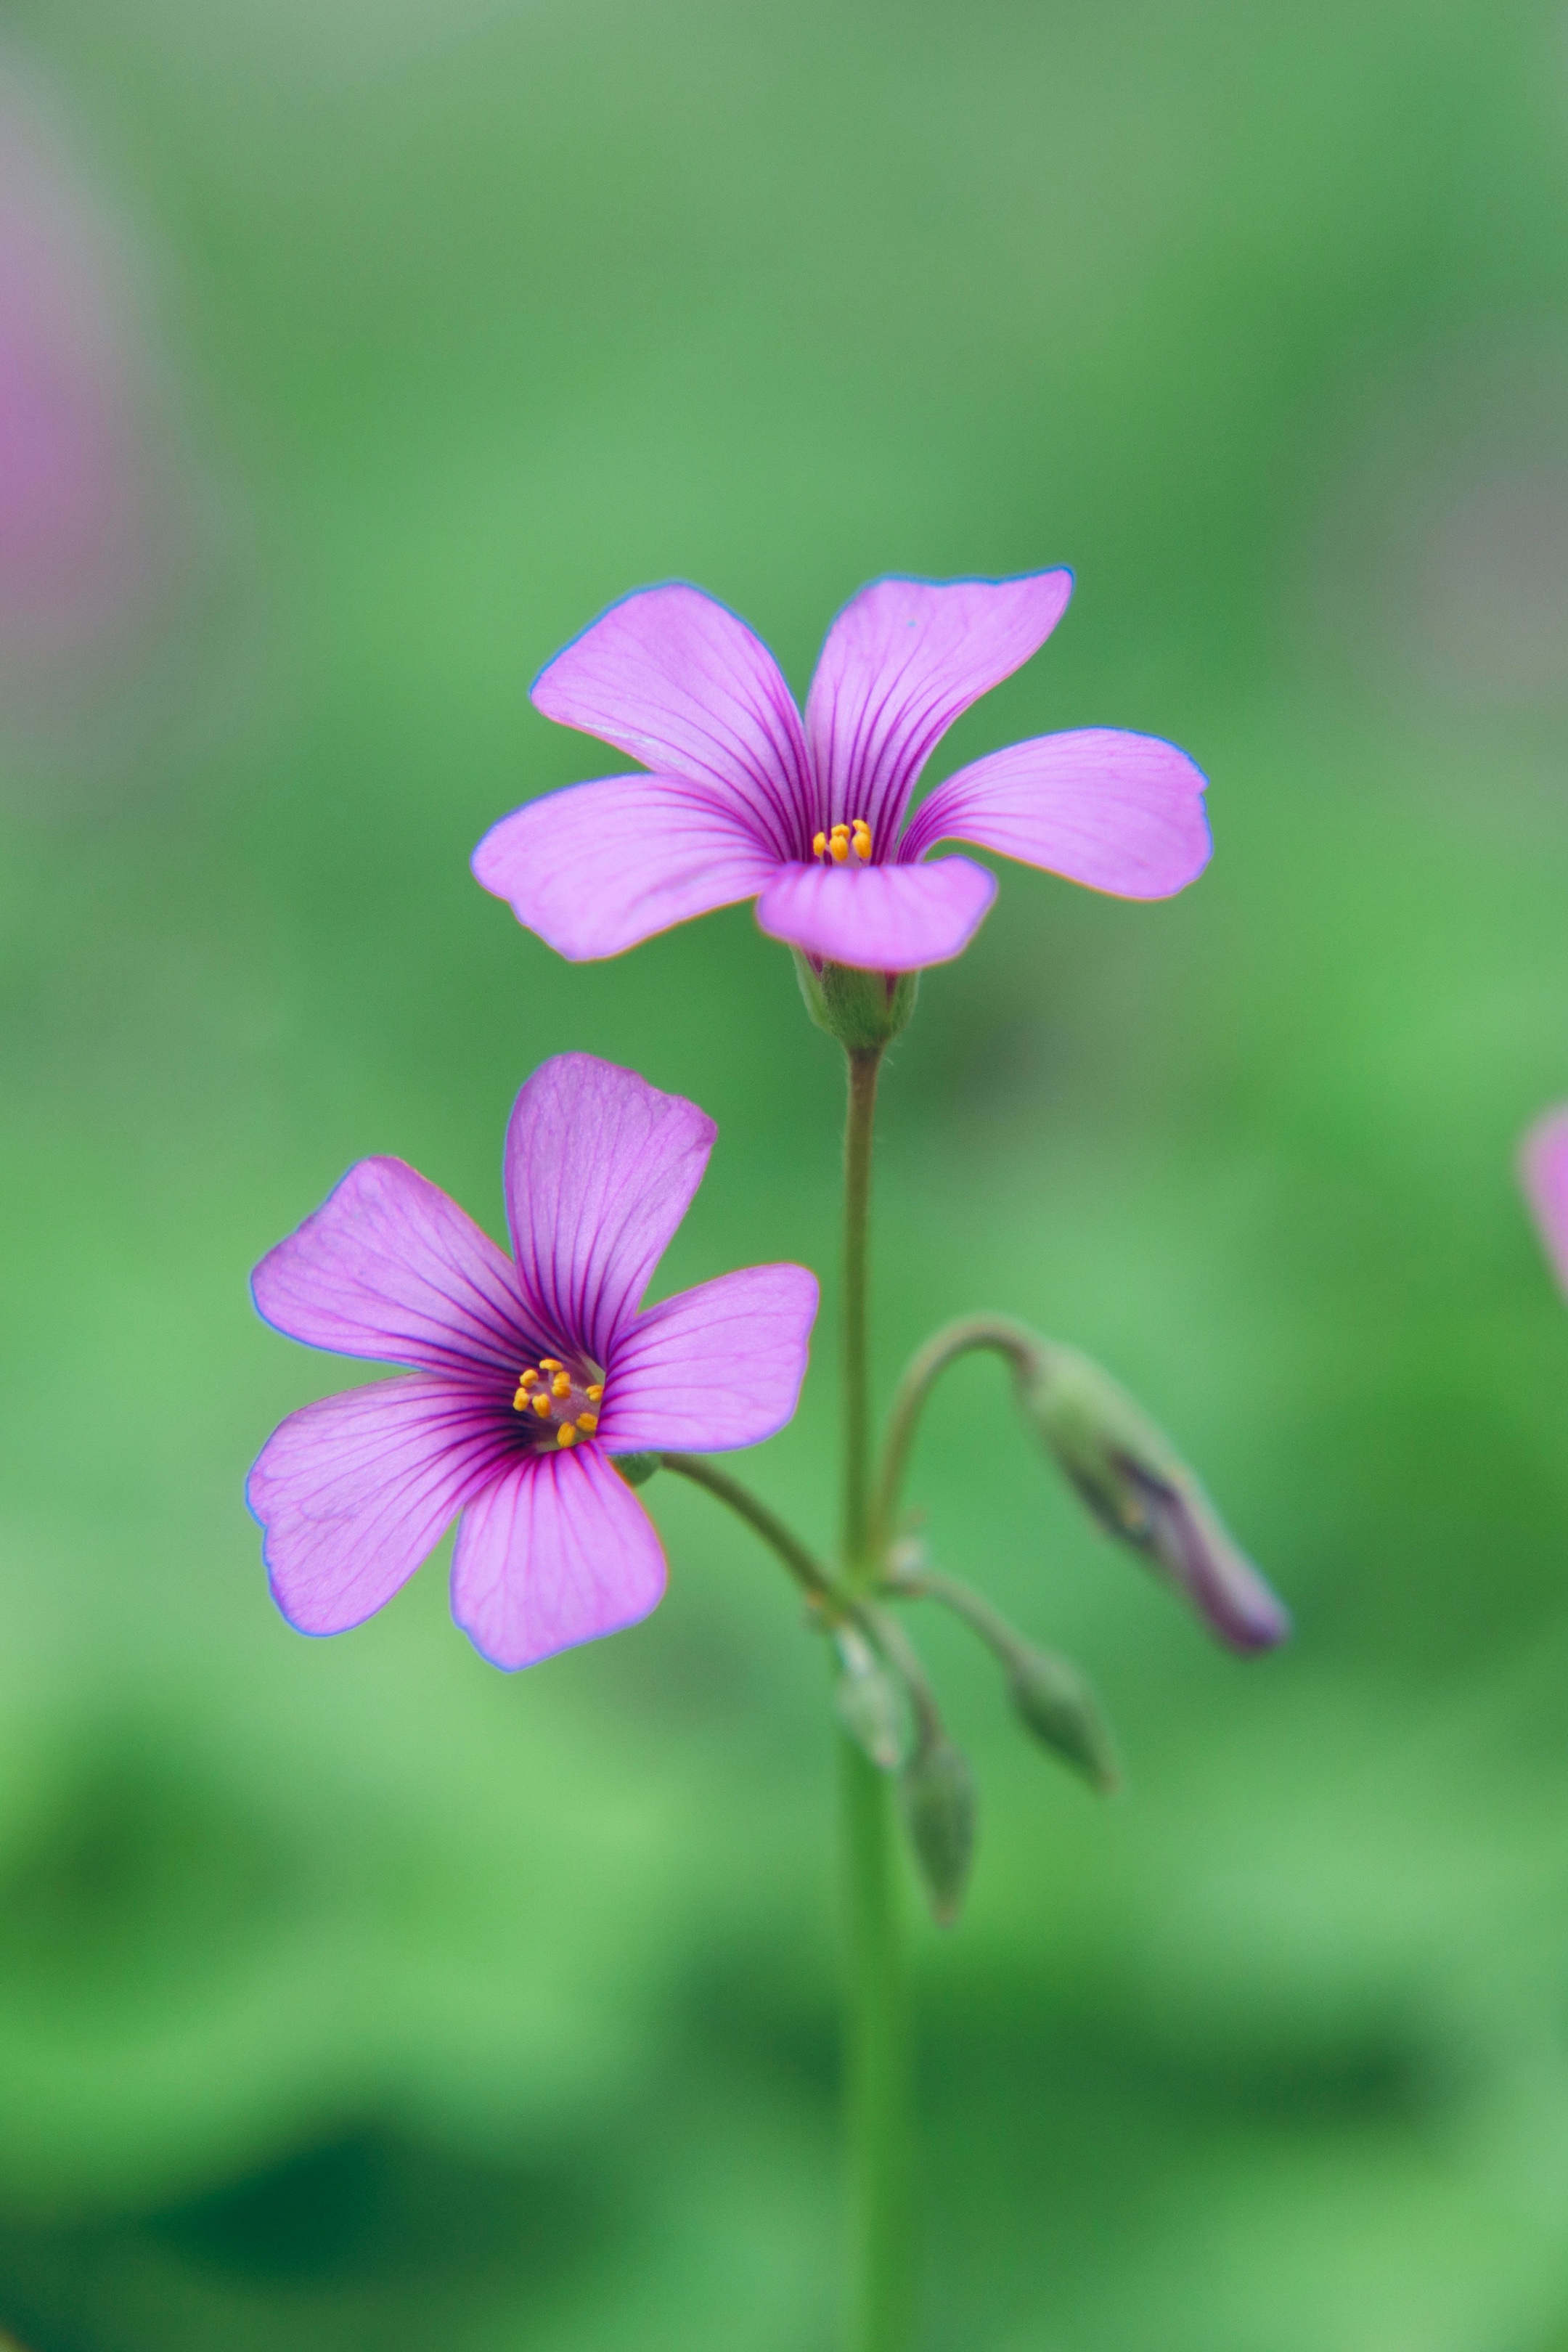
x=876, y=2035
x=996, y=1332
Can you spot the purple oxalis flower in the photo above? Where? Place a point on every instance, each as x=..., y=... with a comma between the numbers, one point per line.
x=529, y=1374
x=1543, y=1171
x=746, y=801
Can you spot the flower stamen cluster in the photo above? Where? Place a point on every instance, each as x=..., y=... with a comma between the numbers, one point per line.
x=568, y=1407
x=833, y=847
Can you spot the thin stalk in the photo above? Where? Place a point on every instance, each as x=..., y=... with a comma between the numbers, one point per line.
x=876, y=2035
x=999, y=1333
x=807, y=1572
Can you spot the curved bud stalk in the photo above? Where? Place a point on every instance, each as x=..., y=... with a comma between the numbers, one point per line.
x=1121, y=1467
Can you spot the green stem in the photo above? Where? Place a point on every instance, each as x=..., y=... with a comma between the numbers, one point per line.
x=876, y=2067
x=807, y=1572
x=1023, y=1351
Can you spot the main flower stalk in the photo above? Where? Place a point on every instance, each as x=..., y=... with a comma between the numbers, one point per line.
x=877, y=2067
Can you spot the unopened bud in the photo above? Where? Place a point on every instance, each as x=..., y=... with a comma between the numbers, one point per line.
x=1058, y=1707
x=1128, y=1476
x=863, y=1010
x=937, y=1790
x=637, y=1469
x=868, y=1700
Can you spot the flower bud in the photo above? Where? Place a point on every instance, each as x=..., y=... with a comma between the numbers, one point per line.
x=1127, y=1475
x=868, y=1701
x=637, y=1469
x=937, y=1790
x=1057, y=1707
x=863, y=1010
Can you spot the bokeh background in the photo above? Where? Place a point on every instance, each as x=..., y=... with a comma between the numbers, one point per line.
x=352, y=1995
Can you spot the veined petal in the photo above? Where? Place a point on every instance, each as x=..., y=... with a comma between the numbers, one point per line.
x=1120, y=812
x=878, y=917
x=389, y=1267
x=600, y=1169
x=597, y=867
x=1543, y=1170
x=354, y=1492
x=901, y=661
x=678, y=681
x=713, y=1368
x=557, y=1552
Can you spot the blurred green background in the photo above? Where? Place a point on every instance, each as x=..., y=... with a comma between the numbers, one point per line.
x=352, y=1995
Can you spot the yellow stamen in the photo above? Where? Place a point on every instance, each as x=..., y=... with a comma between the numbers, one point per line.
x=839, y=845
x=587, y=1423
x=561, y=1385
x=595, y=1393
x=527, y=1380
x=540, y=1404
x=862, y=840
x=565, y=1435
x=819, y=844
x=551, y=1364
x=520, y=1400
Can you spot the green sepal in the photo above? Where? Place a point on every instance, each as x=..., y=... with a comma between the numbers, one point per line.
x=863, y=1010
x=936, y=1789
x=637, y=1469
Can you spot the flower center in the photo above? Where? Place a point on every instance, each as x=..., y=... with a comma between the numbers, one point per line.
x=561, y=1409
x=844, y=841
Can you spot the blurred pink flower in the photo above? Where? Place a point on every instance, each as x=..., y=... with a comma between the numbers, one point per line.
x=1543, y=1172
x=746, y=801
x=531, y=1373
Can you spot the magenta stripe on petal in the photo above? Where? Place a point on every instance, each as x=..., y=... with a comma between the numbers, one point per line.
x=901, y=661
x=1120, y=812
x=675, y=679
x=390, y=1267
x=1543, y=1170
x=878, y=917
x=598, y=868
x=600, y=1169
x=716, y=1367
x=558, y=1552
x=354, y=1492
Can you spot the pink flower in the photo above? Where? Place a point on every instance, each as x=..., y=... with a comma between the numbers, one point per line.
x=531, y=1373
x=745, y=800
x=1543, y=1171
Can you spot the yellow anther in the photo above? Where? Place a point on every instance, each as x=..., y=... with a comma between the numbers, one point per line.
x=595, y=1393
x=565, y=1435
x=819, y=844
x=540, y=1404
x=551, y=1364
x=861, y=835
x=526, y=1380
x=840, y=845
x=520, y=1400
x=561, y=1385
x=587, y=1423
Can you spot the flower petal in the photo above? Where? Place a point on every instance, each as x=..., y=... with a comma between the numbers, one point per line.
x=1120, y=812
x=713, y=1368
x=354, y=1492
x=1543, y=1171
x=675, y=679
x=390, y=1267
x=878, y=917
x=600, y=1169
x=902, y=660
x=597, y=867
x=559, y=1551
